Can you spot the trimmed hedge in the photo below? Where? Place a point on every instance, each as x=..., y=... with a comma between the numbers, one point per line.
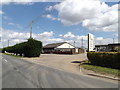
x=31, y=48
x=105, y=59
x=3, y=50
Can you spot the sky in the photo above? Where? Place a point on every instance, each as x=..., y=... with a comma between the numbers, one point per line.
x=66, y=21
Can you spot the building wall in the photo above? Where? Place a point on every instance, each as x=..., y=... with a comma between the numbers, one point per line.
x=113, y=48
x=65, y=48
x=64, y=51
x=65, y=45
x=77, y=50
x=107, y=48
x=101, y=48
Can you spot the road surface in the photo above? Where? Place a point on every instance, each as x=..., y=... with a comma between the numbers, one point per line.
x=17, y=73
x=60, y=61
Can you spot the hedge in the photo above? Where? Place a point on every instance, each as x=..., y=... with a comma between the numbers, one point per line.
x=105, y=59
x=31, y=48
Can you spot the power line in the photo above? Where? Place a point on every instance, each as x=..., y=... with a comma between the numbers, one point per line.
x=41, y=27
x=34, y=22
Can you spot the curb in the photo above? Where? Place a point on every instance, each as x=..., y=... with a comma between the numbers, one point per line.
x=98, y=75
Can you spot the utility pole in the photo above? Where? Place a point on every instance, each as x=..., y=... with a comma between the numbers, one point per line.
x=8, y=43
x=74, y=43
x=31, y=29
x=82, y=42
x=113, y=40
x=0, y=39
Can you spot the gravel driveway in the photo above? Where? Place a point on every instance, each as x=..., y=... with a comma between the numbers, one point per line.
x=68, y=63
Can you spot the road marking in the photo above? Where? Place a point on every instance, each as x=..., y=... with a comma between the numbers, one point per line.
x=5, y=60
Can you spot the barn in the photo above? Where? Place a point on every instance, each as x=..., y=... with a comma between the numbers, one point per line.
x=61, y=48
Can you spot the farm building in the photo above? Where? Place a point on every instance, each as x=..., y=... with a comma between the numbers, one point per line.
x=61, y=48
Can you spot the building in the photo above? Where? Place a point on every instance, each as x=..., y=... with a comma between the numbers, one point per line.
x=61, y=48
x=107, y=48
x=101, y=48
x=114, y=47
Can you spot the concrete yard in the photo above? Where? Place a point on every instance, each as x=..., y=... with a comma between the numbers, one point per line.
x=60, y=61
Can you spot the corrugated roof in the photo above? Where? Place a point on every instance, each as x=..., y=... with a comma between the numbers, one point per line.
x=114, y=44
x=100, y=45
x=53, y=45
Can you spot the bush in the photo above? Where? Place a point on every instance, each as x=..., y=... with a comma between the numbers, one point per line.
x=31, y=48
x=105, y=59
x=3, y=50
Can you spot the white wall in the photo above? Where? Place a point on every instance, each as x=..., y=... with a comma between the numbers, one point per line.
x=65, y=45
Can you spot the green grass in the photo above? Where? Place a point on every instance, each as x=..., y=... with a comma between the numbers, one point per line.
x=12, y=55
x=102, y=70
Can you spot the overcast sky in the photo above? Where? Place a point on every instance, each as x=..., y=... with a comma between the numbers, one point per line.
x=67, y=21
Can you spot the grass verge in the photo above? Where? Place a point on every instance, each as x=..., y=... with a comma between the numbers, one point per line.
x=101, y=70
x=12, y=55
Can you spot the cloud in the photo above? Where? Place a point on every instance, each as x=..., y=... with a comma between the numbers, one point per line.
x=25, y=2
x=93, y=14
x=60, y=35
x=17, y=37
x=104, y=22
x=71, y=38
x=115, y=34
x=10, y=23
x=13, y=24
x=49, y=8
x=104, y=41
x=99, y=38
x=6, y=18
x=55, y=40
x=5, y=2
x=48, y=37
x=79, y=39
x=18, y=26
x=43, y=36
x=51, y=17
x=1, y=12
x=69, y=35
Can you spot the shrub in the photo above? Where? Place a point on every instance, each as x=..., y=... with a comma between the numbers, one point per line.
x=31, y=48
x=3, y=50
x=105, y=59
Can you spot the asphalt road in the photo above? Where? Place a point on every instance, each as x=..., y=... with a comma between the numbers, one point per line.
x=17, y=73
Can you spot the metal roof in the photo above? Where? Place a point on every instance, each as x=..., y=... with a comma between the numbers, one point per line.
x=53, y=45
x=116, y=44
x=100, y=45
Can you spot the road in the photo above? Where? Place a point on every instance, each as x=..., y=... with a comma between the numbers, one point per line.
x=17, y=73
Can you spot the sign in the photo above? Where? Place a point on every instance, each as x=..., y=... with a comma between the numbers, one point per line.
x=90, y=42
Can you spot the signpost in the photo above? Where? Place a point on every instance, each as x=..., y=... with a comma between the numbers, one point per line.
x=90, y=42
